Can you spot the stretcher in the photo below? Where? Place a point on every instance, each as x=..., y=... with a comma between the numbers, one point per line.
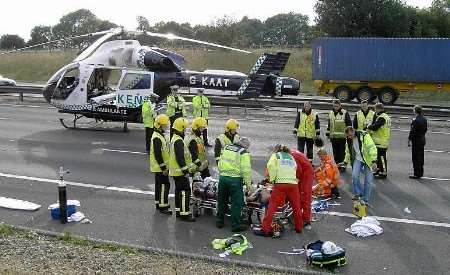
x=204, y=201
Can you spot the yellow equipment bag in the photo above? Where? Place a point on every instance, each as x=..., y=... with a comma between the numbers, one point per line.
x=359, y=209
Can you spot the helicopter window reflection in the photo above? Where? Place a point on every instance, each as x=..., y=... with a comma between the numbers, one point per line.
x=136, y=81
x=103, y=81
x=67, y=83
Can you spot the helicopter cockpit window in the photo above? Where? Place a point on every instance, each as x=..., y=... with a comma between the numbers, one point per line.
x=67, y=83
x=136, y=81
x=103, y=81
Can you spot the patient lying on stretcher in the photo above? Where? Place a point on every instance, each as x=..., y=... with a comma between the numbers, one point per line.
x=326, y=176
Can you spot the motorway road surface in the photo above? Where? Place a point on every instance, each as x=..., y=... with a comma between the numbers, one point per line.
x=109, y=175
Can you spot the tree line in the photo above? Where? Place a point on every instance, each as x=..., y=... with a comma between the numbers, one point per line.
x=335, y=18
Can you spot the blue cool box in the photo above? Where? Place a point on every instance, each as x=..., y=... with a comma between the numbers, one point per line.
x=55, y=212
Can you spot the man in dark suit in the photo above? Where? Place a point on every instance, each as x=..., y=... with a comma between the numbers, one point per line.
x=417, y=142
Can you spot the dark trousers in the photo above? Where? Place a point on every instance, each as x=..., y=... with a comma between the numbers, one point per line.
x=338, y=145
x=230, y=188
x=182, y=195
x=382, y=161
x=205, y=134
x=309, y=142
x=417, y=150
x=172, y=120
x=148, y=138
x=162, y=188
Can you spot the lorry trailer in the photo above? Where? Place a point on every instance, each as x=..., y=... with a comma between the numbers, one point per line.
x=380, y=68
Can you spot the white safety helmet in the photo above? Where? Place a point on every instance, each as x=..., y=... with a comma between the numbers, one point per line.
x=329, y=248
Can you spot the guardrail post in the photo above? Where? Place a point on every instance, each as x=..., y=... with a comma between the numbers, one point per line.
x=228, y=110
x=245, y=110
x=21, y=96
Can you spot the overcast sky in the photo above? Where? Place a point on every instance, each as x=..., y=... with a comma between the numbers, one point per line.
x=20, y=16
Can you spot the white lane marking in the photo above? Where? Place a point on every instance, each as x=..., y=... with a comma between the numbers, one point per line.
x=388, y=219
x=5, y=118
x=123, y=151
x=437, y=151
x=23, y=105
x=438, y=179
x=79, y=184
x=138, y=191
x=437, y=133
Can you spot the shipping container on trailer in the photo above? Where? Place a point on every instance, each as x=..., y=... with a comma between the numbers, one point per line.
x=370, y=68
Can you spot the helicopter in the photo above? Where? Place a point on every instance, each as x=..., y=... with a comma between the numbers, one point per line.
x=111, y=79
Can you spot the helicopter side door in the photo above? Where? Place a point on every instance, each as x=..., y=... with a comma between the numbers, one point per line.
x=134, y=88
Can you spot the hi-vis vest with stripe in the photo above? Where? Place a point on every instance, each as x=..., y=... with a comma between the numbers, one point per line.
x=307, y=125
x=337, y=124
x=175, y=104
x=235, y=162
x=174, y=167
x=364, y=121
x=382, y=136
x=282, y=168
x=148, y=114
x=154, y=166
x=200, y=146
x=224, y=140
x=200, y=106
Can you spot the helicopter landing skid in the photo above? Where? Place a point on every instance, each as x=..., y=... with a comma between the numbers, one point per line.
x=77, y=117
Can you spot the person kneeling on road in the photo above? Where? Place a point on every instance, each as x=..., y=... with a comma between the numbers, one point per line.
x=196, y=146
x=234, y=171
x=159, y=161
x=180, y=167
x=327, y=175
x=282, y=170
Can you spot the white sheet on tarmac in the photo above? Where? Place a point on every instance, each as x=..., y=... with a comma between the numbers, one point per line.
x=15, y=204
x=366, y=227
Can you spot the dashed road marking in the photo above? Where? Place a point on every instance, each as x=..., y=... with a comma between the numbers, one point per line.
x=138, y=191
x=437, y=133
x=124, y=151
x=437, y=151
x=388, y=219
x=25, y=105
x=438, y=179
x=84, y=185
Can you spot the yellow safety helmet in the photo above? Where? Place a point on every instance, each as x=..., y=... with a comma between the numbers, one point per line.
x=199, y=122
x=161, y=120
x=180, y=124
x=231, y=124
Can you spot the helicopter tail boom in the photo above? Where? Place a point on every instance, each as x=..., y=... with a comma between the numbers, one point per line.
x=264, y=79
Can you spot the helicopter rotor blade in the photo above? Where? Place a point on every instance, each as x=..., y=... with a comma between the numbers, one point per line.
x=176, y=37
x=58, y=40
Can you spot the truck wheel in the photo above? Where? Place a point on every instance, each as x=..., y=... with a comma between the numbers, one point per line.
x=387, y=95
x=343, y=93
x=365, y=93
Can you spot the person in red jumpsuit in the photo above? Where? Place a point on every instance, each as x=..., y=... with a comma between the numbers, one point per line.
x=305, y=175
x=282, y=175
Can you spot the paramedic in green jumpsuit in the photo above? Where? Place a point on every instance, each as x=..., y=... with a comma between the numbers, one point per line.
x=234, y=171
